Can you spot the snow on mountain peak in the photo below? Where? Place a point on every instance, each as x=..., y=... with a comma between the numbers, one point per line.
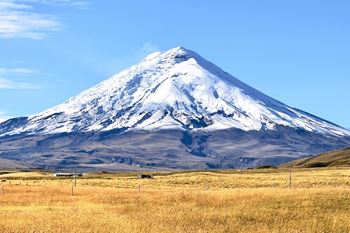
x=172, y=56
x=173, y=89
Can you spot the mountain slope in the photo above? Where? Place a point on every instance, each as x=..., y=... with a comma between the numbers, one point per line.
x=172, y=110
x=338, y=158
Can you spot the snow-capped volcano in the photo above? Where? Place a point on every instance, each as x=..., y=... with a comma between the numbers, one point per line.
x=176, y=89
x=172, y=110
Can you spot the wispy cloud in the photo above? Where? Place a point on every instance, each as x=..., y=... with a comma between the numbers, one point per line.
x=15, y=73
x=148, y=47
x=9, y=84
x=73, y=3
x=3, y=116
x=20, y=19
x=16, y=70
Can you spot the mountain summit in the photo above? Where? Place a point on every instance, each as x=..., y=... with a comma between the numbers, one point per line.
x=176, y=89
x=174, y=109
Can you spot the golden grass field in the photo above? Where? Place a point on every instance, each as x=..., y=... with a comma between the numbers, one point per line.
x=222, y=201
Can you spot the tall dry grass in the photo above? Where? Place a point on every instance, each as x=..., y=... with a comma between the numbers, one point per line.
x=183, y=202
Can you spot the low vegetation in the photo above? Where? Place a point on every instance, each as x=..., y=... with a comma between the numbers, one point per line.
x=338, y=158
x=223, y=201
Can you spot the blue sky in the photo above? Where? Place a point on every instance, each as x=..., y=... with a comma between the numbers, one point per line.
x=295, y=51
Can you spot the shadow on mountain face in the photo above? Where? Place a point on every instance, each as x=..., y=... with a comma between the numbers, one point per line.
x=166, y=149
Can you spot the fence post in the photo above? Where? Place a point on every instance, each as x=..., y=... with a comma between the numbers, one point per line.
x=290, y=175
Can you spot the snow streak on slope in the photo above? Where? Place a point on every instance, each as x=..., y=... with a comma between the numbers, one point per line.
x=174, y=89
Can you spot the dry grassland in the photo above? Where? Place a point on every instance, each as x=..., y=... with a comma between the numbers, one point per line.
x=226, y=201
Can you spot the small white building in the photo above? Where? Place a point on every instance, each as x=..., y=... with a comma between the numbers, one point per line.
x=65, y=174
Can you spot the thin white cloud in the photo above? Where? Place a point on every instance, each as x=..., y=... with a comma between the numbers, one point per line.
x=16, y=70
x=3, y=116
x=9, y=84
x=73, y=3
x=148, y=47
x=19, y=18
